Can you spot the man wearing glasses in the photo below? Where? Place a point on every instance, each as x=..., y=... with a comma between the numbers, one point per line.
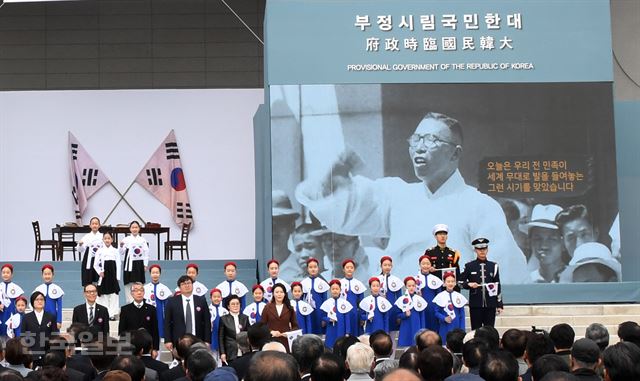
x=186, y=313
x=405, y=212
x=91, y=313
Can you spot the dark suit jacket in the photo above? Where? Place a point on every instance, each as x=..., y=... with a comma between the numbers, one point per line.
x=82, y=364
x=151, y=363
x=133, y=318
x=100, y=320
x=39, y=332
x=283, y=323
x=174, y=326
x=241, y=364
x=172, y=374
x=72, y=374
x=227, y=335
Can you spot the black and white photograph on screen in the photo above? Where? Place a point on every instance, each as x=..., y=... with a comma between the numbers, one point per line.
x=364, y=171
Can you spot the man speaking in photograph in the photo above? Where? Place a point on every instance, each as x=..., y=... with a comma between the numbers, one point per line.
x=405, y=212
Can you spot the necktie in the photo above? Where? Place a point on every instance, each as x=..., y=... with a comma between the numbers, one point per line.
x=386, y=284
x=188, y=318
x=230, y=287
x=90, y=315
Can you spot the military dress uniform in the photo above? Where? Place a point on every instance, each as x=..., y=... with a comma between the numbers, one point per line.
x=443, y=258
x=487, y=297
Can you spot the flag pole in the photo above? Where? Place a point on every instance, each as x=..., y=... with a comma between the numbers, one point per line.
x=122, y=199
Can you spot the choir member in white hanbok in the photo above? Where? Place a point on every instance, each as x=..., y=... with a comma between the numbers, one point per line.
x=449, y=307
x=135, y=251
x=428, y=286
x=352, y=290
x=52, y=294
x=315, y=290
x=156, y=294
x=304, y=310
x=232, y=286
x=273, y=267
x=108, y=265
x=87, y=247
x=336, y=312
x=411, y=314
x=9, y=292
x=376, y=309
x=254, y=310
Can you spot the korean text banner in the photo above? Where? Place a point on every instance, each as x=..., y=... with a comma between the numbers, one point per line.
x=358, y=41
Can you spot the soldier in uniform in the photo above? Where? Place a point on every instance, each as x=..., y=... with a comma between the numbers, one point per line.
x=441, y=256
x=482, y=279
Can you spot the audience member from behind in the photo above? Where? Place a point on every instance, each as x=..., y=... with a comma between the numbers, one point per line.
x=489, y=335
x=563, y=336
x=101, y=353
x=130, y=364
x=272, y=366
x=435, y=363
x=599, y=334
x=625, y=329
x=515, y=341
x=185, y=343
x=409, y=359
x=538, y=345
x=328, y=367
x=116, y=375
x=546, y=364
x=499, y=365
x=402, y=375
x=17, y=355
x=559, y=376
x=306, y=349
x=455, y=338
x=382, y=345
x=585, y=360
x=360, y=359
x=621, y=362
x=142, y=342
x=383, y=368
x=257, y=336
x=427, y=338
x=199, y=364
x=474, y=352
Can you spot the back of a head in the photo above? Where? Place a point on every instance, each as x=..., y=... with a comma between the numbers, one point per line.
x=141, y=340
x=474, y=352
x=538, y=345
x=454, y=340
x=342, y=344
x=274, y=346
x=562, y=336
x=435, y=363
x=101, y=353
x=499, y=365
x=328, y=367
x=15, y=351
x=56, y=359
x=359, y=358
x=116, y=375
x=546, y=364
x=130, y=364
x=622, y=362
x=185, y=343
x=10, y=375
x=599, y=334
x=402, y=375
x=383, y=368
x=427, y=338
x=243, y=342
x=409, y=360
x=381, y=343
x=78, y=333
x=306, y=349
x=199, y=364
x=258, y=334
x=490, y=335
x=559, y=376
x=53, y=373
x=272, y=366
x=514, y=341
x=625, y=328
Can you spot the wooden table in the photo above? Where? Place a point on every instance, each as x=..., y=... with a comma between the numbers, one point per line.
x=57, y=231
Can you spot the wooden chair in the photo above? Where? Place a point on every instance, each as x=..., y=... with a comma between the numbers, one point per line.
x=182, y=245
x=47, y=244
x=67, y=243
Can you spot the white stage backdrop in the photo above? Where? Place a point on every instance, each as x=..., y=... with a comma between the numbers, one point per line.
x=121, y=130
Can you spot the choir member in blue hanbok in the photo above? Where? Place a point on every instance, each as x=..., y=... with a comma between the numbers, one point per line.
x=315, y=290
x=449, y=307
x=14, y=324
x=336, y=312
x=134, y=250
x=376, y=309
x=254, y=310
x=304, y=311
x=199, y=288
x=428, y=286
x=273, y=267
x=411, y=314
x=52, y=294
x=156, y=294
x=232, y=286
x=9, y=291
x=88, y=247
x=216, y=310
x=352, y=290
x=390, y=288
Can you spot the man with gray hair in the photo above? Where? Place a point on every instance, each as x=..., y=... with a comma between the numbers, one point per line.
x=139, y=314
x=359, y=360
x=306, y=349
x=599, y=334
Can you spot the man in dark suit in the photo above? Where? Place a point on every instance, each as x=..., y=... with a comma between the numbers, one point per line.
x=186, y=313
x=143, y=344
x=92, y=313
x=182, y=353
x=139, y=314
x=80, y=336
